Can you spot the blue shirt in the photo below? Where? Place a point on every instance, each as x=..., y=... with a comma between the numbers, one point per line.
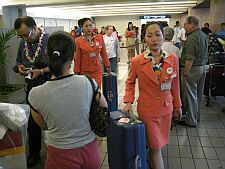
x=221, y=34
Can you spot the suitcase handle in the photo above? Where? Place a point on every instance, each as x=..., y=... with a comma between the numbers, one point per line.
x=133, y=119
x=137, y=162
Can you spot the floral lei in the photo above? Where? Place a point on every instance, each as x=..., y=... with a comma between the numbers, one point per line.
x=32, y=59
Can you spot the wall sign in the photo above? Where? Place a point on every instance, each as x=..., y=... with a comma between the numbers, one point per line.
x=155, y=16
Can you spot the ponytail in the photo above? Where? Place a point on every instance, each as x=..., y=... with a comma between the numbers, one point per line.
x=60, y=50
x=56, y=64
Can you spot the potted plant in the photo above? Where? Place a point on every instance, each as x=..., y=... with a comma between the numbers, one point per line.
x=4, y=39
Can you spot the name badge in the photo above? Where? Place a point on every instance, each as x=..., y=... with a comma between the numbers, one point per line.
x=166, y=86
x=92, y=54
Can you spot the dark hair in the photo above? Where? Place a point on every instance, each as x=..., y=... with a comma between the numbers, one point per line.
x=60, y=49
x=128, y=28
x=222, y=24
x=163, y=23
x=193, y=20
x=142, y=32
x=152, y=23
x=114, y=29
x=84, y=20
x=206, y=30
x=206, y=24
x=27, y=20
x=79, y=22
x=177, y=22
x=143, y=26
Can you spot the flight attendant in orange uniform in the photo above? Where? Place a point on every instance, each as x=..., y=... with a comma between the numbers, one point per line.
x=90, y=49
x=159, y=91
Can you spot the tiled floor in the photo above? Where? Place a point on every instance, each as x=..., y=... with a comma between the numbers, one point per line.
x=189, y=148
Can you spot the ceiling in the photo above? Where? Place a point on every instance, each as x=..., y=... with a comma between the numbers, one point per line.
x=94, y=8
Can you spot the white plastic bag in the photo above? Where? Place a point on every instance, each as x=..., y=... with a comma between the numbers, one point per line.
x=12, y=116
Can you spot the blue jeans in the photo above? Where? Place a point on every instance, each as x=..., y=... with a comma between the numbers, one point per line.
x=113, y=64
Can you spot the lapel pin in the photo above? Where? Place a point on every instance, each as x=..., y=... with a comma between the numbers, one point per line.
x=169, y=70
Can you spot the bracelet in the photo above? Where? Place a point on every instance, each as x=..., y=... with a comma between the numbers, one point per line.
x=42, y=72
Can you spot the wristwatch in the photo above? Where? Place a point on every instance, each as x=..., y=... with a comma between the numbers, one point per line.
x=185, y=75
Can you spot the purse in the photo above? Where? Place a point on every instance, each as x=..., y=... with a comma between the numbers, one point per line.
x=99, y=116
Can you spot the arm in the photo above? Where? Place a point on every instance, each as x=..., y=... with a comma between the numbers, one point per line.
x=179, y=35
x=39, y=120
x=175, y=91
x=126, y=34
x=77, y=59
x=19, y=67
x=175, y=35
x=102, y=100
x=38, y=72
x=33, y=101
x=175, y=86
x=130, y=88
x=191, y=46
x=117, y=48
x=104, y=55
x=187, y=67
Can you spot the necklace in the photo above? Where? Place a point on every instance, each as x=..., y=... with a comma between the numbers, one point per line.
x=27, y=55
x=90, y=40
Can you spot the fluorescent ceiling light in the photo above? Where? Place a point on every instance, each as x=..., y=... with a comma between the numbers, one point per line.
x=128, y=8
x=54, y=13
x=139, y=13
x=135, y=9
x=76, y=12
x=133, y=4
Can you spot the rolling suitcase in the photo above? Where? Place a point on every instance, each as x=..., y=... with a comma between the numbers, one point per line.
x=109, y=87
x=126, y=142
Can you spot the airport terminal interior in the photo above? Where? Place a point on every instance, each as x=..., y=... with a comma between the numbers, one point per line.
x=198, y=147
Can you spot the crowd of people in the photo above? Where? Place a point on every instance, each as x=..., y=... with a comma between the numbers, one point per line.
x=170, y=71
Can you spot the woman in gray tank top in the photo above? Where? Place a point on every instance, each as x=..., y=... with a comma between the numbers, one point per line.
x=62, y=107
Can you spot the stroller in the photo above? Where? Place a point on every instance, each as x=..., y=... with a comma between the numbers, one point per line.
x=215, y=77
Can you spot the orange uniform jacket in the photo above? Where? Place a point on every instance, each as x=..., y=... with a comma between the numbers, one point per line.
x=152, y=101
x=87, y=58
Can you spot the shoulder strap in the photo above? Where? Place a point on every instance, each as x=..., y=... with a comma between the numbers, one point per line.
x=93, y=86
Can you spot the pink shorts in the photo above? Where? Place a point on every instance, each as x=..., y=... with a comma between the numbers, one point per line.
x=86, y=157
x=157, y=130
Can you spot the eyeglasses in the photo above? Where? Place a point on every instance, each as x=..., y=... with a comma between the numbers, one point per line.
x=26, y=35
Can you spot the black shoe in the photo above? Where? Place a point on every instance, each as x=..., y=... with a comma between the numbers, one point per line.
x=183, y=123
x=33, y=160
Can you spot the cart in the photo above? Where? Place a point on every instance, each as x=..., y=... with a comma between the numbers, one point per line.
x=214, y=81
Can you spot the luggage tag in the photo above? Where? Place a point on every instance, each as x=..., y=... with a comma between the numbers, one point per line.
x=124, y=120
x=166, y=86
x=92, y=54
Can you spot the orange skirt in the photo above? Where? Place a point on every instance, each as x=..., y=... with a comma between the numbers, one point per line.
x=157, y=130
x=97, y=76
